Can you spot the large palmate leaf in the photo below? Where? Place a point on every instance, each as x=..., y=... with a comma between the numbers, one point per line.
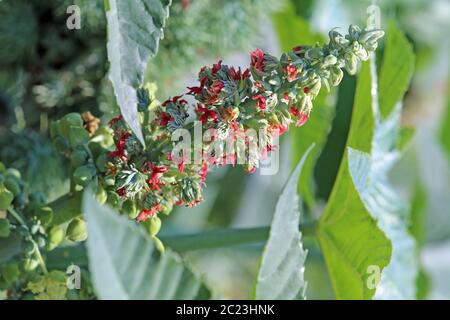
x=134, y=30
x=293, y=31
x=351, y=241
x=125, y=264
x=281, y=275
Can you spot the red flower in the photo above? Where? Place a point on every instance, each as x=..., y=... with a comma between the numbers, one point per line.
x=217, y=86
x=206, y=114
x=203, y=172
x=260, y=101
x=238, y=75
x=216, y=67
x=155, y=181
x=303, y=118
x=198, y=90
x=120, y=147
x=306, y=90
x=291, y=72
x=115, y=120
x=257, y=59
x=294, y=111
x=174, y=100
x=122, y=192
x=277, y=129
x=165, y=118
x=148, y=213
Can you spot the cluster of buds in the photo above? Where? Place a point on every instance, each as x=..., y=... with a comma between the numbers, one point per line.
x=228, y=104
x=28, y=227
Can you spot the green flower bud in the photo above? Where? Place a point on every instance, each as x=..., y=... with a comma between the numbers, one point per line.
x=13, y=173
x=129, y=208
x=351, y=62
x=78, y=136
x=78, y=158
x=10, y=271
x=153, y=225
x=113, y=199
x=44, y=214
x=40, y=241
x=69, y=120
x=158, y=244
x=29, y=264
x=12, y=185
x=76, y=230
x=6, y=198
x=354, y=31
x=101, y=195
x=55, y=237
x=109, y=181
x=336, y=76
x=329, y=61
x=83, y=175
x=4, y=228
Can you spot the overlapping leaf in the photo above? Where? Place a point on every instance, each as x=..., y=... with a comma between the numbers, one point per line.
x=126, y=265
x=281, y=275
x=134, y=30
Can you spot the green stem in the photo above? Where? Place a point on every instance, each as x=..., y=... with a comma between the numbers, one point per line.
x=37, y=252
x=224, y=238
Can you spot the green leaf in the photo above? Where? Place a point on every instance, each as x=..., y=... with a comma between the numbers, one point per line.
x=134, y=31
x=281, y=275
x=350, y=239
x=445, y=131
x=125, y=263
x=9, y=247
x=396, y=70
x=292, y=31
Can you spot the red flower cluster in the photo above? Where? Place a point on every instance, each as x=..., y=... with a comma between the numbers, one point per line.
x=257, y=60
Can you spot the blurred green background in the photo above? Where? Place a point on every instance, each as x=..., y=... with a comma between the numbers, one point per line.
x=47, y=71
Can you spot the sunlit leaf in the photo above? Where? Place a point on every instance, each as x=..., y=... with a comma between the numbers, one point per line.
x=134, y=31
x=125, y=263
x=281, y=275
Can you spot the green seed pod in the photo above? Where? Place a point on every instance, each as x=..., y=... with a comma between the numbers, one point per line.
x=83, y=175
x=14, y=173
x=101, y=195
x=10, y=271
x=29, y=264
x=76, y=230
x=4, y=228
x=78, y=136
x=158, y=244
x=55, y=237
x=28, y=247
x=69, y=120
x=102, y=162
x=6, y=198
x=129, y=208
x=44, y=214
x=154, y=225
x=78, y=158
x=40, y=241
x=109, y=181
x=166, y=207
x=113, y=199
x=12, y=185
